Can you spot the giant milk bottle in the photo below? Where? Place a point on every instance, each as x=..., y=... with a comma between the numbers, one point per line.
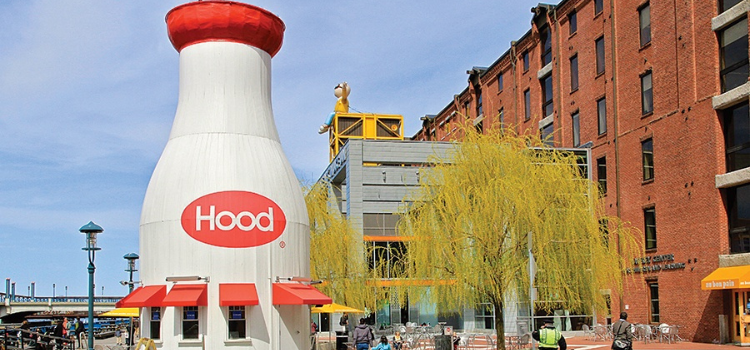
x=223, y=201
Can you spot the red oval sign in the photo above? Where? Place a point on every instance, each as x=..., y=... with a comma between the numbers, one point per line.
x=233, y=219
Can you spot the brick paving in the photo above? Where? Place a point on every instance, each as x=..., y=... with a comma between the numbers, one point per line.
x=582, y=343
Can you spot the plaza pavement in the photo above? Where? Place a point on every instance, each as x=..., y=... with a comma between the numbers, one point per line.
x=582, y=343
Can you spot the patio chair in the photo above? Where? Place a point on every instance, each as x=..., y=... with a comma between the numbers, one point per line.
x=600, y=332
x=588, y=332
x=524, y=341
x=664, y=333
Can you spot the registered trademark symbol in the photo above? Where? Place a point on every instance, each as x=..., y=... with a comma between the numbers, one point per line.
x=282, y=244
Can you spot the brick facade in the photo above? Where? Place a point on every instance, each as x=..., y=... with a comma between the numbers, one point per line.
x=682, y=58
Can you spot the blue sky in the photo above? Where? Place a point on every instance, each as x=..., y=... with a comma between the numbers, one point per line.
x=88, y=91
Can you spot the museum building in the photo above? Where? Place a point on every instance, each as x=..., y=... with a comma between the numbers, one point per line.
x=658, y=90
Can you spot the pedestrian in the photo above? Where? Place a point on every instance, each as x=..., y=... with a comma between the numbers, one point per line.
x=71, y=333
x=24, y=333
x=549, y=337
x=57, y=332
x=65, y=327
x=397, y=341
x=118, y=336
x=383, y=345
x=362, y=336
x=79, y=330
x=344, y=323
x=127, y=335
x=621, y=332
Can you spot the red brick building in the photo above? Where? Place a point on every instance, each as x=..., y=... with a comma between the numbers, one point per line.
x=659, y=91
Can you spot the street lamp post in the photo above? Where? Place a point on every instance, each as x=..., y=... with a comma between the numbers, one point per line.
x=131, y=258
x=91, y=230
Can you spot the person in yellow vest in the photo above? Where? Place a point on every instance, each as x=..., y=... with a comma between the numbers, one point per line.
x=341, y=91
x=549, y=337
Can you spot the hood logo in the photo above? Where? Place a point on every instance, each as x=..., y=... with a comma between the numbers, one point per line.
x=233, y=219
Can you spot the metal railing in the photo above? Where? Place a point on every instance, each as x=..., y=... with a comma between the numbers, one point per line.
x=63, y=299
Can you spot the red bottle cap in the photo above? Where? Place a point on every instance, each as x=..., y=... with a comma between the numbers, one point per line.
x=214, y=20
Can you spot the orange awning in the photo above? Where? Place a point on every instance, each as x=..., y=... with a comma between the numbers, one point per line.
x=237, y=294
x=727, y=278
x=146, y=296
x=298, y=294
x=186, y=295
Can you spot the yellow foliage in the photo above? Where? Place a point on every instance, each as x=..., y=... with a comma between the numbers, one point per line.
x=336, y=253
x=477, y=210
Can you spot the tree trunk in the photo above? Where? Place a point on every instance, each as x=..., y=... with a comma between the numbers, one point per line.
x=499, y=324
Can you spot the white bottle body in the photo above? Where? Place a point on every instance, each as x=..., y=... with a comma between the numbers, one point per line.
x=224, y=139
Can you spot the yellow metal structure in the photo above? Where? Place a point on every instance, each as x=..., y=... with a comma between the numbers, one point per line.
x=365, y=126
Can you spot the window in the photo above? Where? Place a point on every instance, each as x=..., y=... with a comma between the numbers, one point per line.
x=479, y=127
x=385, y=259
x=733, y=55
x=480, y=112
x=527, y=104
x=155, y=323
x=653, y=288
x=604, y=229
x=738, y=210
x=236, y=323
x=572, y=23
x=727, y=4
x=574, y=73
x=544, y=37
x=190, y=322
x=647, y=151
x=644, y=15
x=484, y=316
x=466, y=108
x=576, y=130
x=547, y=135
x=649, y=223
x=647, y=94
x=737, y=136
x=379, y=224
x=601, y=111
x=601, y=173
x=598, y=7
x=501, y=117
x=525, y=61
x=547, y=106
x=599, y=55
x=500, y=82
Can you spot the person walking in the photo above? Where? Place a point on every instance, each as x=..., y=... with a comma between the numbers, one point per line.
x=549, y=337
x=621, y=331
x=362, y=336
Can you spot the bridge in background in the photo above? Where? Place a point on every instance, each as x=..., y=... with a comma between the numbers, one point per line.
x=14, y=308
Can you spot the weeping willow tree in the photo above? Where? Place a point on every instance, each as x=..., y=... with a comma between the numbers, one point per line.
x=337, y=254
x=495, y=203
